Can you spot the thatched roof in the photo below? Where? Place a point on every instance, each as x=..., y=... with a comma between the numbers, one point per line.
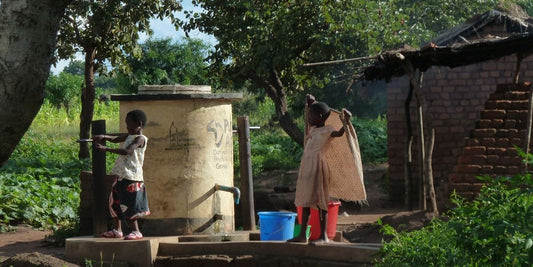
x=462, y=45
x=388, y=64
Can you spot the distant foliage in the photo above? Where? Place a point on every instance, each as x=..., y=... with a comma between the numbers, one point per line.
x=63, y=90
x=372, y=136
x=166, y=62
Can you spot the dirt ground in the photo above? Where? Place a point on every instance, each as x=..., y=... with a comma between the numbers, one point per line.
x=356, y=222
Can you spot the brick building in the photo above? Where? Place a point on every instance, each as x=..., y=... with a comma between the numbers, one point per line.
x=466, y=77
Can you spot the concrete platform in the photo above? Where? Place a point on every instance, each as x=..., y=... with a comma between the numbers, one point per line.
x=115, y=252
x=236, y=247
x=271, y=253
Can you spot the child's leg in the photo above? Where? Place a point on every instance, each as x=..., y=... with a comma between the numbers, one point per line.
x=135, y=233
x=134, y=225
x=118, y=224
x=302, y=237
x=323, y=226
x=116, y=232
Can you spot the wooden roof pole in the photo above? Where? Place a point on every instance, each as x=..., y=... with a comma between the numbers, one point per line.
x=423, y=111
x=408, y=177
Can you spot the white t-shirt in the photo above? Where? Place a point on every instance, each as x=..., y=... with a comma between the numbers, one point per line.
x=130, y=166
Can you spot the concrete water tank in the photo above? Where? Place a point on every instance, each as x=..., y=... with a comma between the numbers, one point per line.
x=189, y=153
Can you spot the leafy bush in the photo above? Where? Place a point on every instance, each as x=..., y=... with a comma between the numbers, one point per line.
x=39, y=184
x=372, y=136
x=493, y=230
x=274, y=151
x=63, y=90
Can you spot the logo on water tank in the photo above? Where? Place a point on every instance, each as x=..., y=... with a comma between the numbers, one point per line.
x=221, y=131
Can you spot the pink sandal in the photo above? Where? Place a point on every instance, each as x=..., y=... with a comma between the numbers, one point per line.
x=134, y=235
x=112, y=234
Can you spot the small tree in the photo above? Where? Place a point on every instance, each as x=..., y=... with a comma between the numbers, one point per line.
x=165, y=62
x=63, y=90
x=105, y=31
x=267, y=42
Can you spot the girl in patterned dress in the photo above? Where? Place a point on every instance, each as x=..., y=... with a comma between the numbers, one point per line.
x=313, y=177
x=128, y=200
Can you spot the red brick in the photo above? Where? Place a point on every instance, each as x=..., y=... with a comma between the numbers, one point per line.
x=472, y=142
x=456, y=177
x=457, y=129
x=516, y=133
x=496, y=123
x=462, y=187
x=493, y=114
x=517, y=160
x=502, y=142
x=493, y=159
x=487, y=169
x=514, y=169
x=488, y=142
x=517, y=142
x=520, y=104
x=500, y=169
x=515, y=95
x=487, y=132
x=467, y=168
x=505, y=161
x=474, y=150
x=509, y=123
x=517, y=114
x=465, y=159
x=496, y=151
x=483, y=123
x=512, y=151
x=479, y=159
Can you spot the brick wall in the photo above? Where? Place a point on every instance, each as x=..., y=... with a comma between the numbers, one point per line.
x=456, y=98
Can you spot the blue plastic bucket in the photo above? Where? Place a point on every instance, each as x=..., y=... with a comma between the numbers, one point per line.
x=276, y=225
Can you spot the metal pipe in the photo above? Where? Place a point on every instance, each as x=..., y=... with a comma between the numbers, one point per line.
x=232, y=189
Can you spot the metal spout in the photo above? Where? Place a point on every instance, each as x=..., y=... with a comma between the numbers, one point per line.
x=232, y=189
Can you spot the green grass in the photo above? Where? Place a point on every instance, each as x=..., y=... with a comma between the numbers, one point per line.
x=39, y=184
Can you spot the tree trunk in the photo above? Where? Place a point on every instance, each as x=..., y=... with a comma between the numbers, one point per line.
x=87, y=102
x=28, y=32
x=275, y=90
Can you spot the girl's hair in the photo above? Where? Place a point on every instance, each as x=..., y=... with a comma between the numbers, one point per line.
x=137, y=115
x=321, y=109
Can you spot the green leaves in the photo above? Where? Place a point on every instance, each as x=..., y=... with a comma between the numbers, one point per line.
x=493, y=230
x=39, y=184
x=166, y=62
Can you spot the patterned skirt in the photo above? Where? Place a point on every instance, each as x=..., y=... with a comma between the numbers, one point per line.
x=128, y=200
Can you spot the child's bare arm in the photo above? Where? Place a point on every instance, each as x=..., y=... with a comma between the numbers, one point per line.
x=110, y=138
x=340, y=132
x=138, y=142
x=310, y=99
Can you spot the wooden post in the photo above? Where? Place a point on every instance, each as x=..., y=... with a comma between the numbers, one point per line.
x=247, y=185
x=528, y=131
x=421, y=107
x=424, y=123
x=100, y=199
x=408, y=151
